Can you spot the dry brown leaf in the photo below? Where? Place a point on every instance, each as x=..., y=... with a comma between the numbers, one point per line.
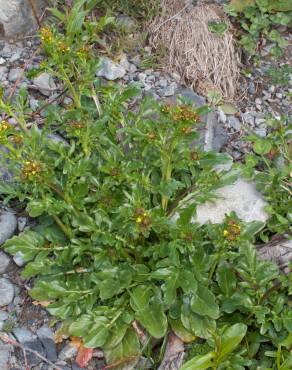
x=42, y=303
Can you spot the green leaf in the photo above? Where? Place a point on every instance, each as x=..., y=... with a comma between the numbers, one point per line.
x=29, y=243
x=204, y=303
x=228, y=108
x=56, y=13
x=231, y=339
x=80, y=328
x=98, y=334
x=200, y=362
x=201, y=326
x=262, y=146
x=125, y=354
x=156, y=327
x=226, y=278
x=140, y=297
x=252, y=228
x=117, y=333
x=181, y=332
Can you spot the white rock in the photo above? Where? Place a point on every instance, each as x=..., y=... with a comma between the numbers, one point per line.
x=8, y=224
x=222, y=116
x=240, y=197
x=2, y=61
x=110, y=70
x=18, y=259
x=6, y=292
x=4, y=262
x=44, y=82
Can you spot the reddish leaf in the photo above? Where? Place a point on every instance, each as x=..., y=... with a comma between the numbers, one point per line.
x=84, y=355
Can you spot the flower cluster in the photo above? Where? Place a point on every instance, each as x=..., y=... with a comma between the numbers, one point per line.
x=63, y=47
x=46, y=35
x=142, y=218
x=232, y=231
x=4, y=126
x=16, y=139
x=31, y=169
x=185, y=114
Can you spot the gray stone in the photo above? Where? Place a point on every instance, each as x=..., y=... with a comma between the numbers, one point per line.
x=215, y=136
x=46, y=336
x=16, y=55
x=33, y=103
x=191, y=96
x=5, y=351
x=15, y=74
x=110, y=70
x=142, y=76
x=16, y=17
x=8, y=224
x=68, y=352
x=162, y=83
x=23, y=335
x=18, y=259
x=4, y=263
x=21, y=223
x=3, y=72
x=222, y=116
x=278, y=251
x=262, y=132
x=44, y=82
x=6, y=292
x=27, y=338
x=248, y=118
x=234, y=123
x=2, y=61
x=169, y=90
x=240, y=197
x=3, y=315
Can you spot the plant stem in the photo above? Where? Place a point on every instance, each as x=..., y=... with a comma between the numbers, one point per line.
x=65, y=230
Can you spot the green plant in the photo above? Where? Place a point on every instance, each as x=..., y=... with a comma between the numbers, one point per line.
x=258, y=20
x=280, y=75
x=218, y=27
x=273, y=157
x=115, y=253
x=140, y=9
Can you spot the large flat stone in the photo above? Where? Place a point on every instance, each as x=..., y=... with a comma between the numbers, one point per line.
x=240, y=197
x=16, y=17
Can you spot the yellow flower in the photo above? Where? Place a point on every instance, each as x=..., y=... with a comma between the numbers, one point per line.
x=31, y=169
x=4, y=126
x=63, y=47
x=46, y=34
x=232, y=232
x=139, y=220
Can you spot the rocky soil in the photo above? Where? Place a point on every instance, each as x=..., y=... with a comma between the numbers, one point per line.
x=20, y=318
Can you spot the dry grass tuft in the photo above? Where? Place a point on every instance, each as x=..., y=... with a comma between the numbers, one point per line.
x=205, y=60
